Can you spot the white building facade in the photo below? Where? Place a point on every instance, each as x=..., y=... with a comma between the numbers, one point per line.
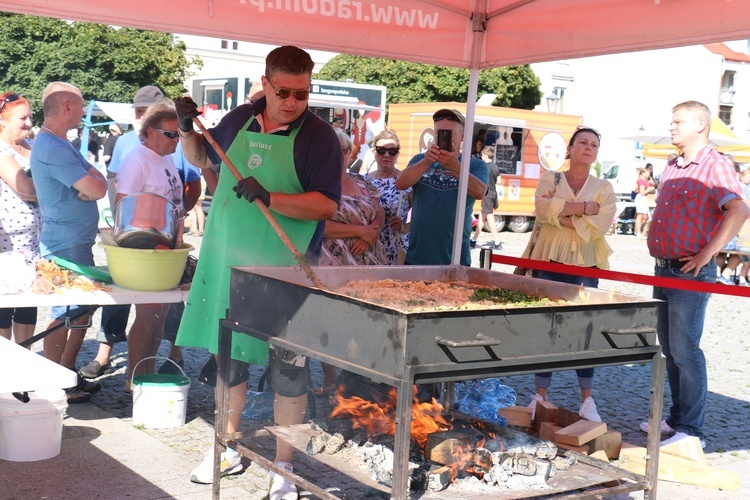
x=621, y=94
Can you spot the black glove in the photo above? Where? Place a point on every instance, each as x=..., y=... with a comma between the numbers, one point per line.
x=251, y=189
x=186, y=111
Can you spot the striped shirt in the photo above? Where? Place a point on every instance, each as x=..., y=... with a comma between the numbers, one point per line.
x=689, y=204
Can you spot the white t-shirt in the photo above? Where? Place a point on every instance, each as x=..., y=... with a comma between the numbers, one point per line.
x=144, y=171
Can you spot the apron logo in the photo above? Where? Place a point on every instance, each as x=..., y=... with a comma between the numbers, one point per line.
x=254, y=161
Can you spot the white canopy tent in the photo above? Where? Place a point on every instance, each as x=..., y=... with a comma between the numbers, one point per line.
x=473, y=34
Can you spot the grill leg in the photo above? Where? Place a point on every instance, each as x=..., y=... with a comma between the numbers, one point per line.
x=402, y=441
x=654, y=424
x=222, y=404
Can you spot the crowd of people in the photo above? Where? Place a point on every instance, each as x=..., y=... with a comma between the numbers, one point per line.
x=338, y=213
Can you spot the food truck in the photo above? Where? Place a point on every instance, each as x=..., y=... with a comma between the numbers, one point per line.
x=526, y=144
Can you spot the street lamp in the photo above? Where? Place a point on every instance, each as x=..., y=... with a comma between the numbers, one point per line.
x=552, y=101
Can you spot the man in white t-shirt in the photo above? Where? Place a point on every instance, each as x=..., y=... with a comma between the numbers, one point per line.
x=149, y=168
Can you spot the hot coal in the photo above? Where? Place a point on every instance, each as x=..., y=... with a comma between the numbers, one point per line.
x=334, y=444
x=521, y=463
x=317, y=443
x=482, y=460
x=564, y=463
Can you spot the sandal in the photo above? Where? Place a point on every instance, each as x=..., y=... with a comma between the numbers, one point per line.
x=325, y=390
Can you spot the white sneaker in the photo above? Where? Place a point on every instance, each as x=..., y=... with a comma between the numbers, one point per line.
x=678, y=436
x=231, y=463
x=279, y=487
x=588, y=410
x=532, y=405
x=665, y=428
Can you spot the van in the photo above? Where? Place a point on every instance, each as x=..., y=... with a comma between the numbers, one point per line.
x=623, y=176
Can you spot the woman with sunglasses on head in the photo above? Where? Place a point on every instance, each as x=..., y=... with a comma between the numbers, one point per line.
x=20, y=218
x=575, y=211
x=395, y=203
x=149, y=169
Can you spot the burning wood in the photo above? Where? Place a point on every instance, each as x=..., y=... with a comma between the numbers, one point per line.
x=447, y=449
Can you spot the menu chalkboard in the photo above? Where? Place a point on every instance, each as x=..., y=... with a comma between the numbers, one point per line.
x=505, y=158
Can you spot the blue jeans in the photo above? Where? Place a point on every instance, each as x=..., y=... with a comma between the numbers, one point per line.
x=80, y=254
x=585, y=375
x=680, y=327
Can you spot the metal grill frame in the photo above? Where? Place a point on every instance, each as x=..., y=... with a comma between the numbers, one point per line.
x=408, y=374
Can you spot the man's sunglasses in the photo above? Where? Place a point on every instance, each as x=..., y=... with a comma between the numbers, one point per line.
x=169, y=134
x=389, y=151
x=282, y=93
x=10, y=98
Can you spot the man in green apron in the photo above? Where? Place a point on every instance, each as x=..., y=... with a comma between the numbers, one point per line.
x=291, y=161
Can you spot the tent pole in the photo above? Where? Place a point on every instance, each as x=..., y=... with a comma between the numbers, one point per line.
x=479, y=25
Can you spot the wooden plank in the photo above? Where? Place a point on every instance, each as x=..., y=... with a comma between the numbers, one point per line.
x=545, y=412
x=680, y=470
x=600, y=455
x=580, y=433
x=519, y=416
x=566, y=417
x=547, y=430
x=689, y=448
x=609, y=442
x=583, y=449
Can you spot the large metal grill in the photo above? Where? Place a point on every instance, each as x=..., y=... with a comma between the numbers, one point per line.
x=593, y=328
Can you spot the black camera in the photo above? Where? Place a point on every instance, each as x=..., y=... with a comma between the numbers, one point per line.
x=445, y=139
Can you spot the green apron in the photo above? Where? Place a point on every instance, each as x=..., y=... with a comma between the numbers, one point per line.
x=237, y=234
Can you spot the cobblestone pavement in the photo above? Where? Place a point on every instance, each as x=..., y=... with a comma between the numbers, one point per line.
x=621, y=393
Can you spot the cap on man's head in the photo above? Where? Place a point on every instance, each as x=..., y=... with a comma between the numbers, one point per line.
x=146, y=96
x=448, y=114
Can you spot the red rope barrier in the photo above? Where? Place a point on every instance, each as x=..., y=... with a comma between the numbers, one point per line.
x=641, y=279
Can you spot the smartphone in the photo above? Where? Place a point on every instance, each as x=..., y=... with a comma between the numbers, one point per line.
x=445, y=139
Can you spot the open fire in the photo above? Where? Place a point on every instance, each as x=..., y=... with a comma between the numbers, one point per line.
x=445, y=449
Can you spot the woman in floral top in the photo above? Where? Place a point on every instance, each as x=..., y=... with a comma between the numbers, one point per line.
x=20, y=219
x=351, y=237
x=395, y=203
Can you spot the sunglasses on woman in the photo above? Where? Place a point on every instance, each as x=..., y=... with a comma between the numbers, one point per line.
x=10, y=98
x=582, y=128
x=169, y=134
x=282, y=93
x=389, y=151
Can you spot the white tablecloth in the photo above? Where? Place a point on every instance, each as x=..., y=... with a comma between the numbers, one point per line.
x=69, y=297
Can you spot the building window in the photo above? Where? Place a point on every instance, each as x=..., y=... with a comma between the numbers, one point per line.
x=235, y=45
x=727, y=88
x=224, y=44
x=725, y=114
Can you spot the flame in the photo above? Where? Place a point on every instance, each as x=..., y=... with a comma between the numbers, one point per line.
x=379, y=418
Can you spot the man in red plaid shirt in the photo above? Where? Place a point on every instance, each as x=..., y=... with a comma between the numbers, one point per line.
x=699, y=208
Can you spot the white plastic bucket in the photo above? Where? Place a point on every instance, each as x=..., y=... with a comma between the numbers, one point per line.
x=32, y=431
x=159, y=400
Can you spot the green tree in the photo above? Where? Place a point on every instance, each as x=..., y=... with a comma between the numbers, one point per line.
x=515, y=86
x=105, y=62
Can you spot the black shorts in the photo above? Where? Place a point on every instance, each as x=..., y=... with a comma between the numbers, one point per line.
x=239, y=372
x=489, y=204
x=20, y=315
